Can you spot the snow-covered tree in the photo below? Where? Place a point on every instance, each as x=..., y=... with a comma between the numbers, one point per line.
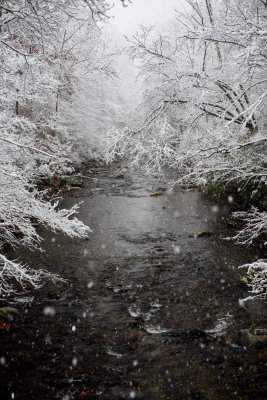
x=204, y=105
x=47, y=50
x=204, y=75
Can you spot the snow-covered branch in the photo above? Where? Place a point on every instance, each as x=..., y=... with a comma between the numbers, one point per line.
x=15, y=277
x=255, y=225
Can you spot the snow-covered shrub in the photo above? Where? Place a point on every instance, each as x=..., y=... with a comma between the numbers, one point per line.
x=21, y=204
x=257, y=276
x=37, y=71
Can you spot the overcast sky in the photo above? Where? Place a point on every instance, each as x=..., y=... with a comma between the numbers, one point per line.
x=149, y=12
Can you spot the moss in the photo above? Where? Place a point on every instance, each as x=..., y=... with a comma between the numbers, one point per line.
x=245, y=193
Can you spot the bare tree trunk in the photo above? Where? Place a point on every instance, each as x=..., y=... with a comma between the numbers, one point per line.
x=58, y=89
x=57, y=102
x=210, y=12
x=204, y=58
x=17, y=104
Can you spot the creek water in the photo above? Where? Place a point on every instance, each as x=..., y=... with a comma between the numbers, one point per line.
x=149, y=310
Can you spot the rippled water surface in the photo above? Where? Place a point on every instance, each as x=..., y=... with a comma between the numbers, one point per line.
x=149, y=310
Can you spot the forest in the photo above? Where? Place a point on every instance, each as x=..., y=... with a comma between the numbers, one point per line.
x=184, y=99
x=202, y=112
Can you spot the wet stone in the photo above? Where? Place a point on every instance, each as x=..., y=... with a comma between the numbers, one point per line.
x=256, y=306
x=256, y=338
x=183, y=336
x=75, y=181
x=118, y=175
x=53, y=295
x=156, y=194
x=7, y=312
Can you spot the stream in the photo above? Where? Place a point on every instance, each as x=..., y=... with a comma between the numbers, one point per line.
x=150, y=309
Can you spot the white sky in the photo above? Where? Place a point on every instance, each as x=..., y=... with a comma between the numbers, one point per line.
x=149, y=12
